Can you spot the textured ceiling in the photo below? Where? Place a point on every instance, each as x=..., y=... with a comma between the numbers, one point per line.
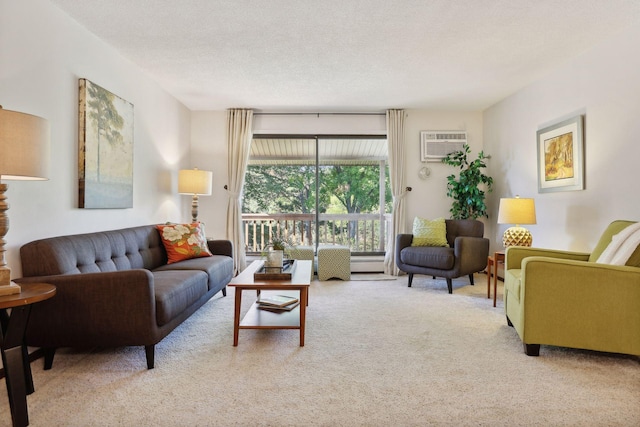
x=349, y=55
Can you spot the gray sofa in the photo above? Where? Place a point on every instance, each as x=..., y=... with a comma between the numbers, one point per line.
x=115, y=288
x=466, y=254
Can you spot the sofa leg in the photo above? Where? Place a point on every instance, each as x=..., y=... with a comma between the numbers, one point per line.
x=224, y=291
x=48, y=357
x=531, y=349
x=450, y=285
x=150, y=351
x=471, y=279
x=509, y=322
x=410, y=279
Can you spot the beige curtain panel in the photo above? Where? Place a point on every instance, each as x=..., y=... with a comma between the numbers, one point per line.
x=395, y=140
x=239, y=135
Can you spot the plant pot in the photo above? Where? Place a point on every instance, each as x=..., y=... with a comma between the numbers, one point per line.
x=274, y=259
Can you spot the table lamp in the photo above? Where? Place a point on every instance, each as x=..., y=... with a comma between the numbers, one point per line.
x=197, y=183
x=24, y=155
x=517, y=211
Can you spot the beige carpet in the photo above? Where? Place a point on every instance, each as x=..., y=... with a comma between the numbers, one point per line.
x=377, y=354
x=372, y=277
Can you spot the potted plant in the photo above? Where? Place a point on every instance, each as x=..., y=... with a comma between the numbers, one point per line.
x=275, y=251
x=465, y=190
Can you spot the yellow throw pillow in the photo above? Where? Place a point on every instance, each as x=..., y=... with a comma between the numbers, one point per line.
x=429, y=232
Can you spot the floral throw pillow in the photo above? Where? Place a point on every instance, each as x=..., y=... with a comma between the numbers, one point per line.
x=429, y=232
x=184, y=241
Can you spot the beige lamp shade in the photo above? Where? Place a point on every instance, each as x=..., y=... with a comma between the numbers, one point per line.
x=24, y=146
x=517, y=211
x=24, y=155
x=195, y=181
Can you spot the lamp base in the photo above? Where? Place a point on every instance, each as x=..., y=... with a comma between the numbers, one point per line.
x=194, y=208
x=516, y=236
x=10, y=289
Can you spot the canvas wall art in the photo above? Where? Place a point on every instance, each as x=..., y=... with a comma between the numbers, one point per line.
x=105, y=158
x=560, y=156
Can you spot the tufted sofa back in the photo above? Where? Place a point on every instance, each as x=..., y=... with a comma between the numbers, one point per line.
x=124, y=249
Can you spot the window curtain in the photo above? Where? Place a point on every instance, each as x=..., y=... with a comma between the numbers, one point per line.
x=395, y=140
x=239, y=135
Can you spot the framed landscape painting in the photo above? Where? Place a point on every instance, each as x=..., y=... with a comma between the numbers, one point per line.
x=105, y=149
x=561, y=156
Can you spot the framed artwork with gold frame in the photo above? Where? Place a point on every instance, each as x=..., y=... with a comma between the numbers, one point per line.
x=561, y=156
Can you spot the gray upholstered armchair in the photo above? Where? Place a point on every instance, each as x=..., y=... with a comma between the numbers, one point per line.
x=466, y=254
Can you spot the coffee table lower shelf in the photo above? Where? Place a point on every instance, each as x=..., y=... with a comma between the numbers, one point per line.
x=265, y=319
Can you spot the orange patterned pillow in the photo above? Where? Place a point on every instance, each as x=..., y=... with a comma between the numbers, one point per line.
x=184, y=241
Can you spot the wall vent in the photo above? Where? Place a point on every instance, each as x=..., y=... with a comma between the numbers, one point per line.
x=436, y=144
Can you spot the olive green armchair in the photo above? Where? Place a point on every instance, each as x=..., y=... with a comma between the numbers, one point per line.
x=567, y=299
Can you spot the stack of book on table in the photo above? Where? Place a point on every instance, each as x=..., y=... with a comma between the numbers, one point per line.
x=277, y=303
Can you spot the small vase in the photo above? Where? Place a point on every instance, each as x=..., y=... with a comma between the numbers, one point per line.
x=274, y=259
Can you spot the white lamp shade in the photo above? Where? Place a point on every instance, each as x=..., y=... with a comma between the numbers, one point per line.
x=25, y=145
x=517, y=211
x=195, y=181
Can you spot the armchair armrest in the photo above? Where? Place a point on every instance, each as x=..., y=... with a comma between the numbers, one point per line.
x=515, y=254
x=221, y=247
x=471, y=252
x=402, y=241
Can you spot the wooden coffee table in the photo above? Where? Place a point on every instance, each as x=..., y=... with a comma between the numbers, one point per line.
x=264, y=319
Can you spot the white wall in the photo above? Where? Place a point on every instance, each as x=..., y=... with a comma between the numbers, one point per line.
x=428, y=198
x=322, y=123
x=209, y=152
x=603, y=85
x=43, y=53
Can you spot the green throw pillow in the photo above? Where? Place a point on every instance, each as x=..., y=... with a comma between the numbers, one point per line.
x=429, y=233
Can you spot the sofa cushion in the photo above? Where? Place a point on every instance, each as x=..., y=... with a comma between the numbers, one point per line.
x=176, y=290
x=428, y=257
x=184, y=241
x=429, y=232
x=218, y=267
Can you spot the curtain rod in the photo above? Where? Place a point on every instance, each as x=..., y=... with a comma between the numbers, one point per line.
x=319, y=114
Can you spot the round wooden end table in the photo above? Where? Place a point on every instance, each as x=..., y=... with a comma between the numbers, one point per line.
x=15, y=357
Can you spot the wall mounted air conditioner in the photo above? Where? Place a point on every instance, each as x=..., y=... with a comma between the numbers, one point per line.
x=436, y=144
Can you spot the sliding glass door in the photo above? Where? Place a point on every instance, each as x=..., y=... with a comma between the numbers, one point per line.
x=317, y=190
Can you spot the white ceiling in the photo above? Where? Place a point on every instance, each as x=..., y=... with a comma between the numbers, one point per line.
x=349, y=55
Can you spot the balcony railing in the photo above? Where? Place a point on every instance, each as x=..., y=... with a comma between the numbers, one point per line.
x=363, y=233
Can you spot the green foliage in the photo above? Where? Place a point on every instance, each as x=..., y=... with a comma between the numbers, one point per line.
x=274, y=189
x=468, y=197
x=356, y=187
x=279, y=243
x=277, y=189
